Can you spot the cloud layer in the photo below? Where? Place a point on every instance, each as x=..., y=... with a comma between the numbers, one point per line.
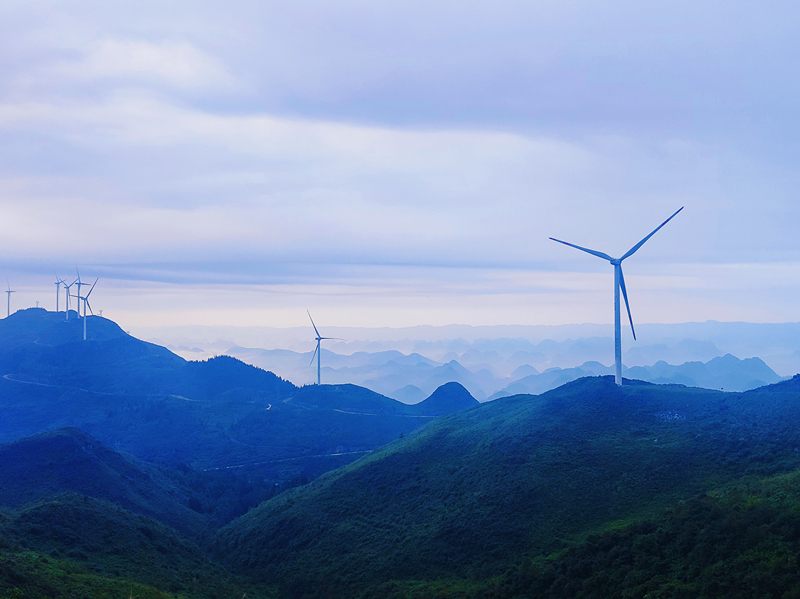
x=314, y=151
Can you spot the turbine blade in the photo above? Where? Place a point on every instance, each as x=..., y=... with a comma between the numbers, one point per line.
x=587, y=250
x=641, y=243
x=90, y=307
x=312, y=323
x=332, y=338
x=314, y=355
x=90, y=291
x=625, y=295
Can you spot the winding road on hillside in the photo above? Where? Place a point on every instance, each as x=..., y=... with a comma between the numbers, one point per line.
x=8, y=377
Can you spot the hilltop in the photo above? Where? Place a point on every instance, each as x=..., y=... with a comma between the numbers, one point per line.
x=447, y=399
x=475, y=492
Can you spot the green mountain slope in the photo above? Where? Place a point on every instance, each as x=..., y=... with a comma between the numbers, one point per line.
x=471, y=494
x=76, y=546
x=52, y=463
x=739, y=543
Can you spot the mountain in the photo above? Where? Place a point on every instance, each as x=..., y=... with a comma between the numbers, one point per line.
x=40, y=327
x=737, y=543
x=69, y=460
x=86, y=543
x=409, y=394
x=471, y=494
x=535, y=384
x=346, y=398
x=791, y=385
x=447, y=399
x=216, y=414
x=724, y=372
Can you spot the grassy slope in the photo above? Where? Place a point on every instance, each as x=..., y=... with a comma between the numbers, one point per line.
x=473, y=493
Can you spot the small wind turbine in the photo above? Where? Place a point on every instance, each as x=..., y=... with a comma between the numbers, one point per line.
x=9, y=292
x=619, y=282
x=58, y=289
x=78, y=282
x=318, y=351
x=66, y=289
x=85, y=304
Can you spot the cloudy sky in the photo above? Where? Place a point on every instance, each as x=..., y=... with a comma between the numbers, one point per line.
x=401, y=163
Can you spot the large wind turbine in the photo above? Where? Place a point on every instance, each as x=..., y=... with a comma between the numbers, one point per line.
x=619, y=282
x=9, y=292
x=318, y=352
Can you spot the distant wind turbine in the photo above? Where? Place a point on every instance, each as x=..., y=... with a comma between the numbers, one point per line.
x=318, y=351
x=58, y=289
x=9, y=292
x=78, y=282
x=66, y=289
x=619, y=282
x=85, y=305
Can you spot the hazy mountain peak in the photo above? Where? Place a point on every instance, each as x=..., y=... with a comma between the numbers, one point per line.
x=450, y=397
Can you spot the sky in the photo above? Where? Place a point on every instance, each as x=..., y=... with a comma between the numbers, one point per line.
x=404, y=163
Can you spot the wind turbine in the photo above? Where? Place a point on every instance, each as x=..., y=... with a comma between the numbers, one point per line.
x=318, y=352
x=9, y=292
x=79, y=283
x=85, y=304
x=619, y=282
x=58, y=289
x=66, y=289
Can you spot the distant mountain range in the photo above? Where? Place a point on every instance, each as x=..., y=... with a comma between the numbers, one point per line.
x=723, y=373
x=502, y=348
x=410, y=378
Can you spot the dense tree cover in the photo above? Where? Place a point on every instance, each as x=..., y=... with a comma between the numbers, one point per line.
x=71, y=460
x=469, y=495
x=75, y=546
x=742, y=543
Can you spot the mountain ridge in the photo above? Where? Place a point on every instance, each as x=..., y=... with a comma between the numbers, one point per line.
x=474, y=492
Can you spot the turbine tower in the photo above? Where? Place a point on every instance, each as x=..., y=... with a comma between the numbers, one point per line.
x=9, y=292
x=619, y=282
x=318, y=351
x=85, y=304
